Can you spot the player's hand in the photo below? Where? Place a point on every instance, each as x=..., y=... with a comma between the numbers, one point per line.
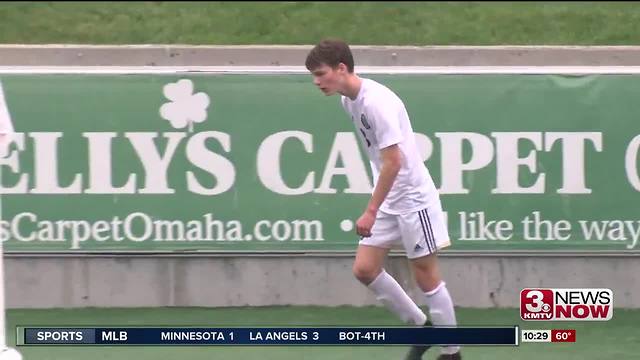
x=365, y=223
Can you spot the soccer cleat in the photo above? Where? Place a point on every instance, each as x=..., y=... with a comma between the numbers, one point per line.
x=416, y=351
x=455, y=356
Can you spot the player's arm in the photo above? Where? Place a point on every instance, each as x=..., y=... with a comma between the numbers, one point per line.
x=391, y=163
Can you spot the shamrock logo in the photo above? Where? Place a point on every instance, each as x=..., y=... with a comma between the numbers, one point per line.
x=184, y=107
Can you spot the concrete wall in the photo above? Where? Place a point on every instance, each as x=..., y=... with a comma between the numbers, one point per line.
x=46, y=280
x=210, y=280
x=178, y=55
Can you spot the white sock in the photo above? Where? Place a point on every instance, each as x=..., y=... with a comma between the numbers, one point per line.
x=391, y=294
x=441, y=311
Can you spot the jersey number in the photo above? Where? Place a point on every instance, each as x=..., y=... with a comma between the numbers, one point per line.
x=365, y=137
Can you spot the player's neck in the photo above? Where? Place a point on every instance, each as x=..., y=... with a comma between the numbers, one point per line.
x=352, y=87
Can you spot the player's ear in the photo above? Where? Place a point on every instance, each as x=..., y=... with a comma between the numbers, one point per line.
x=342, y=68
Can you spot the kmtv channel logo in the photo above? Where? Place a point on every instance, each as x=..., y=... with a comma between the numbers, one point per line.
x=566, y=304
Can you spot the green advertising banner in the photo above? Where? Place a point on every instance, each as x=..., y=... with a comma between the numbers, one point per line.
x=229, y=162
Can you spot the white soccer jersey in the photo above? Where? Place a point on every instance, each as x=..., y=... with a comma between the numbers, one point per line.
x=381, y=120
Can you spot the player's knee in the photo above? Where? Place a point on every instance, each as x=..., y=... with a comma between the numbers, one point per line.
x=427, y=274
x=365, y=273
x=426, y=264
x=427, y=280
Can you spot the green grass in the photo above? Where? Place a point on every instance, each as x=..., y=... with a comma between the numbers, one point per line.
x=616, y=339
x=401, y=23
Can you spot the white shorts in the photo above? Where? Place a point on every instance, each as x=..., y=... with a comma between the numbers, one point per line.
x=420, y=233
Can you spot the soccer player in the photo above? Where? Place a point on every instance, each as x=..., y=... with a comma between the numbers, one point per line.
x=405, y=205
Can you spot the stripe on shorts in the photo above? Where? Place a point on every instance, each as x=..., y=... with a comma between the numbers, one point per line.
x=433, y=238
x=425, y=231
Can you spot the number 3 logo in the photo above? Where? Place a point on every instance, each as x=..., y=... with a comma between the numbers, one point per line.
x=537, y=301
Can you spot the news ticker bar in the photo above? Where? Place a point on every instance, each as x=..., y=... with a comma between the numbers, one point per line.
x=270, y=336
